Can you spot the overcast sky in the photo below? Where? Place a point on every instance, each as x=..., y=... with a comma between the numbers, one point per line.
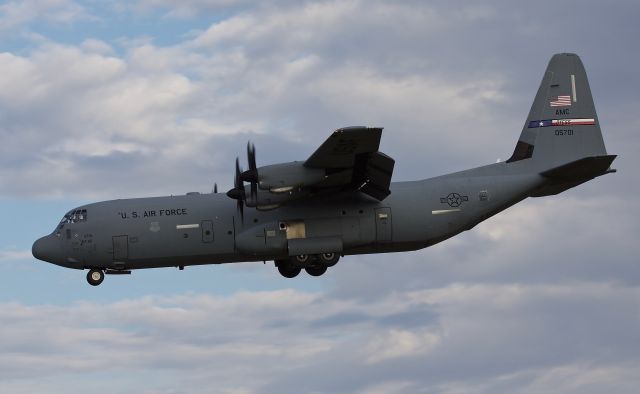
x=135, y=98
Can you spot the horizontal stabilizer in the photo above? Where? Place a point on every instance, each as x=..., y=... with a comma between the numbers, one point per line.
x=572, y=174
x=587, y=168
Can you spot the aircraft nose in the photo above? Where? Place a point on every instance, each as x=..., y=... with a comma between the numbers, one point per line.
x=47, y=249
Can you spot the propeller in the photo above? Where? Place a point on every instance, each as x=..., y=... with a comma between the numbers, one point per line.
x=237, y=193
x=251, y=175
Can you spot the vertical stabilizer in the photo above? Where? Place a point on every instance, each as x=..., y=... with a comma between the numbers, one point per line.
x=562, y=126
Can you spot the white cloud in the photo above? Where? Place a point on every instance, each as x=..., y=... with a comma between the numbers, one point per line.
x=16, y=13
x=389, y=387
x=14, y=254
x=541, y=298
x=187, y=8
x=396, y=343
x=75, y=109
x=290, y=74
x=258, y=341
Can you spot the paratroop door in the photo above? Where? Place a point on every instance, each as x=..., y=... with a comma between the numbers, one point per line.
x=120, y=248
x=383, y=224
x=207, y=231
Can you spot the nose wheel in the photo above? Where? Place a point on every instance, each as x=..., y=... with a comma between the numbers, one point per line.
x=95, y=276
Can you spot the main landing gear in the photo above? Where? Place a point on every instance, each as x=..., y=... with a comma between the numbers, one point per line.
x=315, y=265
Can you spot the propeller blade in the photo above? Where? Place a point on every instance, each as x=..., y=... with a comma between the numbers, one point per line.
x=237, y=193
x=251, y=156
x=237, y=182
x=239, y=189
x=251, y=175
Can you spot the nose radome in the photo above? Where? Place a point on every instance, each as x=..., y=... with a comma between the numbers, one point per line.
x=46, y=249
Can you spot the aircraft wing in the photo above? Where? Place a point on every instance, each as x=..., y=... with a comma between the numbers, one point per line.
x=344, y=145
x=351, y=160
x=348, y=161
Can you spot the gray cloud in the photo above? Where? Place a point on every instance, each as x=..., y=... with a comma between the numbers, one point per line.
x=506, y=337
x=541, y=298
x=345, y=63
x=13, y=254
x=14, y=14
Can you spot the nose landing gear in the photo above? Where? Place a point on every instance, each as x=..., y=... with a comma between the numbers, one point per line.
x=95, y=276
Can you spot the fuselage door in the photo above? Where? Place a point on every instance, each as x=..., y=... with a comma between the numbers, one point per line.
x=207, y=231
x=121, y=248
x=383, y=224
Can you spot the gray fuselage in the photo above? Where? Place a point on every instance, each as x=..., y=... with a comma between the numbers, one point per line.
x=207, y=228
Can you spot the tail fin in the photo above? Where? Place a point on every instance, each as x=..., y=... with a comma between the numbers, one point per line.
x=561, y=139
x=562, y=126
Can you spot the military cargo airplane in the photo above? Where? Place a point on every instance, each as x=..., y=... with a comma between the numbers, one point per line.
x=340, y=201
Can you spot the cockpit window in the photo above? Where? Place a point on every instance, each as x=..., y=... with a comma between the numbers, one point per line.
x=78, y=215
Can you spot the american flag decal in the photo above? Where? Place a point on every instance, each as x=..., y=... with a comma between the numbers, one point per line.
x=560, y=101
x=561, y=122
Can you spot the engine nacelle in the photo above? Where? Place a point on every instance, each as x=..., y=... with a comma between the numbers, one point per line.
x=285, y=177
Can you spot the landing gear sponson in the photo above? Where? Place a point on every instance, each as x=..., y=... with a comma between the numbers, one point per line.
x=315, y=265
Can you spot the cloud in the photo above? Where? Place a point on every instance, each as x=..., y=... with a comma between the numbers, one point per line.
x=399, y=343
x=14, y=254
x=13, y=14
x=76, y=112
x=534, y=334
x=541, y=298
x=188, y=8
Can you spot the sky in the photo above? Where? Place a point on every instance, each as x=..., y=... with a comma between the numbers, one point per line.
x=103, y=100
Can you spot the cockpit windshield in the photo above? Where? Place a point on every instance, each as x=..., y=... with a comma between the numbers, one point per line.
x=75, y=216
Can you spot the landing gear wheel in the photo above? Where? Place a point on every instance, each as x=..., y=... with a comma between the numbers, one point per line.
x=316, y=270
x=288, y=270
x=302, y=258
x=329, y=259
x=95, y=277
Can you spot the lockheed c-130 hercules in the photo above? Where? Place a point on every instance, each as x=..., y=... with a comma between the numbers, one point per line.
x=340, y=201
